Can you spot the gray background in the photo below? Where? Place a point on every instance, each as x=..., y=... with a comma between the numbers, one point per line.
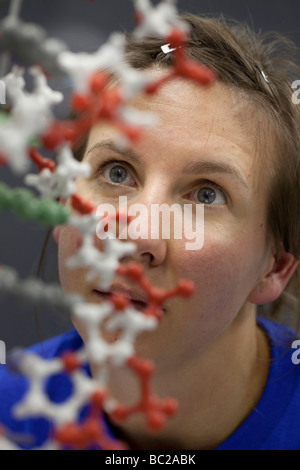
x=85, y=25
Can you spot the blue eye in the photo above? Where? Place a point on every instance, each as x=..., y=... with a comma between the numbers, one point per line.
x=210, y=195
x=118, y=174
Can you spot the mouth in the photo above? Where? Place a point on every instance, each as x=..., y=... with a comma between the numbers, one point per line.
x=136, y=300
x=137, y=303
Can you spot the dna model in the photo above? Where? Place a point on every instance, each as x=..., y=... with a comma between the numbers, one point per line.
x=28, y=127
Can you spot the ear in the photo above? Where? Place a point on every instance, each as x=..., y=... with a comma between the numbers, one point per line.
x=56, y=233
x=275, y=281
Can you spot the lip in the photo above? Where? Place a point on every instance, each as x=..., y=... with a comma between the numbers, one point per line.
x=134, y=300
x=137, y=299
x=131, y=294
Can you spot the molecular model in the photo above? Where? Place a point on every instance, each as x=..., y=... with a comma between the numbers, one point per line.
x=31, y=129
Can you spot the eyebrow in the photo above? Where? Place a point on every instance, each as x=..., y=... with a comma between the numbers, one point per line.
x=109, y=144
x=190, y=168
x=211, y=166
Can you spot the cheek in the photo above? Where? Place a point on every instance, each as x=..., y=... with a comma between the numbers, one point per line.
x=213, y=269
x=218, y=255
x=233, y=255
x=73, y=280
x=68, y=243
x=224, y=273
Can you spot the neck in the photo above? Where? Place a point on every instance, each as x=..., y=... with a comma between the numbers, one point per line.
x=216, y=391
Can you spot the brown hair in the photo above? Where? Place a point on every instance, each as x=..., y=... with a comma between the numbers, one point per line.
x=261, y=68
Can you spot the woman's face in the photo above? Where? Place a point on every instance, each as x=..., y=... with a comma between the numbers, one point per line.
x=203, y=151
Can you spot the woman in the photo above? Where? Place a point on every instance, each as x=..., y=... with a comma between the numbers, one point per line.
x=232, y=148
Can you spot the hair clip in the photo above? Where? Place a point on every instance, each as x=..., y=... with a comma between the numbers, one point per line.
x=264, y=75
x=166, y=48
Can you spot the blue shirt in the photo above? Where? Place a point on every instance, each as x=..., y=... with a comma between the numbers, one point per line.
x=274, y=424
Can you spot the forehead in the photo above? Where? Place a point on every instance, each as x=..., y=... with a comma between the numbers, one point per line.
x=206, y=114
x=193, y=121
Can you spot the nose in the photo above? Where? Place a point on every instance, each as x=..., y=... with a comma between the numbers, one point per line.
x=144, y=229
x=151, y=247
x=139, y=220
x=150, y=253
